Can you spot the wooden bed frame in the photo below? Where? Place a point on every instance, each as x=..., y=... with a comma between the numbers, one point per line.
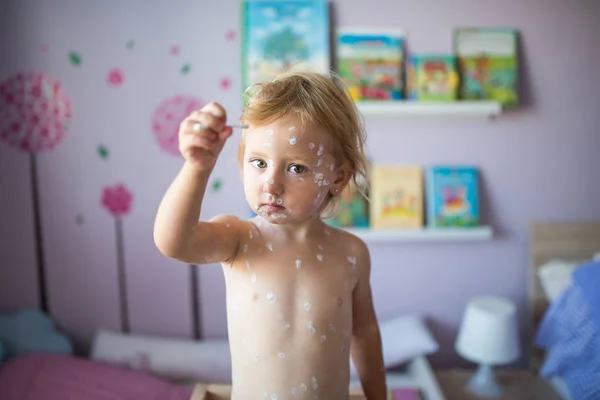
x=573, y=241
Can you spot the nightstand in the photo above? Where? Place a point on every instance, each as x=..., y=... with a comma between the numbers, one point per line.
x=517, y=384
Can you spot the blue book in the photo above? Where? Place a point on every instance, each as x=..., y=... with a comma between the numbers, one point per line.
x=452, y=196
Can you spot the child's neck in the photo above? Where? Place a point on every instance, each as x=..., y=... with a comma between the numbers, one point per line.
x=298, y=232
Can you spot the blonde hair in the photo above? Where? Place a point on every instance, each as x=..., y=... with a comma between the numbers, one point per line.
x=320, y=100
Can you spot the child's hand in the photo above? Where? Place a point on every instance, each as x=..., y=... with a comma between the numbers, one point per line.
x=202, y=136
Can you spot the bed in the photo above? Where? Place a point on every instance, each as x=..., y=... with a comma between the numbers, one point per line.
x=130, y=367
x=560, y=254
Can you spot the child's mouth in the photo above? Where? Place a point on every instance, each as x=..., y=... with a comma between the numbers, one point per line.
x=272, y=208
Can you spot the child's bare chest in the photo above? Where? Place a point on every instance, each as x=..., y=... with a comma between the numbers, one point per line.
x=299, y=290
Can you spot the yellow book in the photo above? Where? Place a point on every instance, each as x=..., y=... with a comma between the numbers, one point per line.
x=397, y=196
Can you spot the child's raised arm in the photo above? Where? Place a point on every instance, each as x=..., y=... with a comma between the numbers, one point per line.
x=177, y=232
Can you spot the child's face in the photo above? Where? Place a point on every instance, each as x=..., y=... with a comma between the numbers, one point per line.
x=287, y=173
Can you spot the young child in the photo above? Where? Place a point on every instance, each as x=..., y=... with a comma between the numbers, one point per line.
x=298, y=291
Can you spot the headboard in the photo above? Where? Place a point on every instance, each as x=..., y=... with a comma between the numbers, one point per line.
x=556, y=240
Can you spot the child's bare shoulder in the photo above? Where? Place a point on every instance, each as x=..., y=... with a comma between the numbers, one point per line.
x=355, y=246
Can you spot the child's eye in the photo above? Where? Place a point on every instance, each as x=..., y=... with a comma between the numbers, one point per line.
x=297, y=169
x=258, y=163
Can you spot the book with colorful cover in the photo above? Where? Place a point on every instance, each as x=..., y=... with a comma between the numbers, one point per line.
x=488, y=64
x=277, y=35
x=432, y=78
x=371, y=62
x=353, y=210
x=452, y=196
x=396, y=197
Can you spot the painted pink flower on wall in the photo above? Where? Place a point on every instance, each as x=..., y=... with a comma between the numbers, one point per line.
x=167, y=117
x=115, y=77
x=35, y=111
x=117, y=200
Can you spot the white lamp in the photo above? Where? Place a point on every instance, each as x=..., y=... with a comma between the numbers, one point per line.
x=489, y=336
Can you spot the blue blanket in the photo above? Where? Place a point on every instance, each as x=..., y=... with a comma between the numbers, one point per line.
x=570, y=334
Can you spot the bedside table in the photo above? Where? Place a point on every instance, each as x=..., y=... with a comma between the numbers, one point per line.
x=517, y=384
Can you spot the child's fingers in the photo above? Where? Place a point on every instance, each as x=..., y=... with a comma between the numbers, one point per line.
x=207, y=120
x=197, y=128
x=189, y=141
x=215, y=109
x=225, y=134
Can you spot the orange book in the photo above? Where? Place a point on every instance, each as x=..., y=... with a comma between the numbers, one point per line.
x=397, y=196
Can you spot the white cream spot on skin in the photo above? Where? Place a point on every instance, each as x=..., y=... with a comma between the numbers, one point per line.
x=303, y=387
x=331, y=167
x=271, y=297
x=315, y=385
x=250, y=233
x=325, y=182
x=281, y=355
x=311, y=145
x=320, y=151
x=253, y=278
x=351, y=259
x=320, y=257
x=319, y=162
x=307, y=306
x=323, y=338
x=298, y=263
x=311, y=327
x=245, y=247
x=287, y=326
x=271, y=181
x=270, y=246
x=293, y=140
x=292, y=129
x=208, y=258
x=279, y=201
x=294, y=390
x=247, y=264
x=332, y=327
x=301, y=179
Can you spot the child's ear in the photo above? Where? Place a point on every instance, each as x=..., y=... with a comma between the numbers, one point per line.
x=342, y=177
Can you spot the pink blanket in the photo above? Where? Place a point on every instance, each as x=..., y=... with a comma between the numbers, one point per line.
x=56, y=377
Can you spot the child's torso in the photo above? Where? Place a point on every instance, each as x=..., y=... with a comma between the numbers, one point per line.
x=290, y=319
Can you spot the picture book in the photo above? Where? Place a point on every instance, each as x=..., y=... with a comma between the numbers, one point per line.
x=488, y=64
x=371, y=62
x=396, y=197
x=277, y=35
x=353, y=210
x=452, y=196
x=432, y=78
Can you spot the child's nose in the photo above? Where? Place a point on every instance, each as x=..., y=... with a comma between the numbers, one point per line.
x=273, y=183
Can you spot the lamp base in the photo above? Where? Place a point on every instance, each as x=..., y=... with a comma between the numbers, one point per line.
x=483, y=383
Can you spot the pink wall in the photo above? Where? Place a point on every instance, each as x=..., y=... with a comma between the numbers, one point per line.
x=538, y=163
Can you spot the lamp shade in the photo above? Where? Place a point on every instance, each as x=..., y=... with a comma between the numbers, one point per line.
x=488, y=332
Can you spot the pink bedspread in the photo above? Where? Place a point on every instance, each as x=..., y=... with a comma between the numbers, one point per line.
x=56, y=377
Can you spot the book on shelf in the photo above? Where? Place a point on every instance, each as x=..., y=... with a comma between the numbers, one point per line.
x=353, y=208
x=488, y=64
x=432, y=78
x=370, y=60
x=396, y=197
x=452, y=196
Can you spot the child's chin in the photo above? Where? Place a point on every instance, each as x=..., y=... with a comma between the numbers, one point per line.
x=274, y=218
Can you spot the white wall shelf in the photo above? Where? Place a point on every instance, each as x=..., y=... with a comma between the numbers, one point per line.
x=471, y=109
x=479, y=233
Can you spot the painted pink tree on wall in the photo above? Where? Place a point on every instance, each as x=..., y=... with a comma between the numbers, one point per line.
x=165, y=125
x=117, y=201
x=35, y=111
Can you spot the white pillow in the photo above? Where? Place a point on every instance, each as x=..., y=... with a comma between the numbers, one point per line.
x=402, y=339
x=177, y=359
x=555, y=277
